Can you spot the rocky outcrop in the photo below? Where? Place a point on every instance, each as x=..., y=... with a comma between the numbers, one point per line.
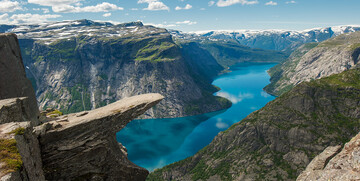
x=278, y=141
x=335, y=163
x=83, y=145
x=104, y=63
x=314, y=61
x=79, y=146
x=13, y=81
x=27, y=165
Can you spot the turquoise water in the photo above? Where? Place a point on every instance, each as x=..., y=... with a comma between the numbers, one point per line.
x=154, y=143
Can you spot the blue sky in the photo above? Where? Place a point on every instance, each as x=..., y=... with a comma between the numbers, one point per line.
x=189, y=15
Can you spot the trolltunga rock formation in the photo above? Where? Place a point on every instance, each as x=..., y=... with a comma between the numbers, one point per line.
x=84, y=146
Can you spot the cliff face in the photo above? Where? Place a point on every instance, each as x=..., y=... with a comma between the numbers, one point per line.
x=13, y=81
x=278, y=141
x=335, y=163
x=88, y=70
x=314, y=61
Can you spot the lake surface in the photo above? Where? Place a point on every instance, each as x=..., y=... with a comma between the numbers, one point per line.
x=154, y=143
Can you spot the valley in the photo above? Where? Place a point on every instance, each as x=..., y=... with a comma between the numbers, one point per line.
x=154, y=143
x=216, y=117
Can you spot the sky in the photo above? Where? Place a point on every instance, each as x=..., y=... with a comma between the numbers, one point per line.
x=189, y=15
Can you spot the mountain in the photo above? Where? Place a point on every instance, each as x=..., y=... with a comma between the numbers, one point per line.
x=314, y=61
x=280, y=40
x=82, y=65
x=278, y=141
x=230, y=52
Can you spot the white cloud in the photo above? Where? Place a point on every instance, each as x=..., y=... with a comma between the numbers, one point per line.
x=271, y=3
x=107, y=14
x=224, y=3
x=53, y=2
x=154, y=5
x=45, y=10
x=188, y=6
x=202, y=9
x=26, y=18
x=103, y=7
x=211, y=3
x=74, y=6
x=4, y=19
x=164, y=25
x=290, y=2
x=186, y=22
x=134, y=9
x=9, y=6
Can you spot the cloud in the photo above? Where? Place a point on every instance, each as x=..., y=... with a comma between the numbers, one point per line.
x=163, y=25
x=187, y=22
x=107, y=14
x=221, y=125
x=53, y=2
x=188, y=6
x=235, y=99
x=290, y=2
x=74, y=6
x=224, y=3
x=9, y=6
x=103, y=7
x=172, y=25
x=154, y=5
x=45, y=10
x=4, y=19
x=271, y=3
x=211, y=3
x=27, y=18
x=134, y=9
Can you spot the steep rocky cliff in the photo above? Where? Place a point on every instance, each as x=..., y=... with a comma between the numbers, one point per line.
x=83, y=65
x=335, y=163
x=278, y=141
x=13, y=81
x=314, y=61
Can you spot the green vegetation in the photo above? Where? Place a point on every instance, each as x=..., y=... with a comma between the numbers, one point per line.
x=279, y=79
x=355, y=46
x=80, y=99
x=61, y=50
x=158, y=50
x=10, y=155
x=55, y=113
x=230, y=52
x=18, y=131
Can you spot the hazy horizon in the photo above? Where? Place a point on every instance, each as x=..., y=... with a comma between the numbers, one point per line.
x=189, y=15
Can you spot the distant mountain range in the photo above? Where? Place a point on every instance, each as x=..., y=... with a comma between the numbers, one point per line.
x=281, y=40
